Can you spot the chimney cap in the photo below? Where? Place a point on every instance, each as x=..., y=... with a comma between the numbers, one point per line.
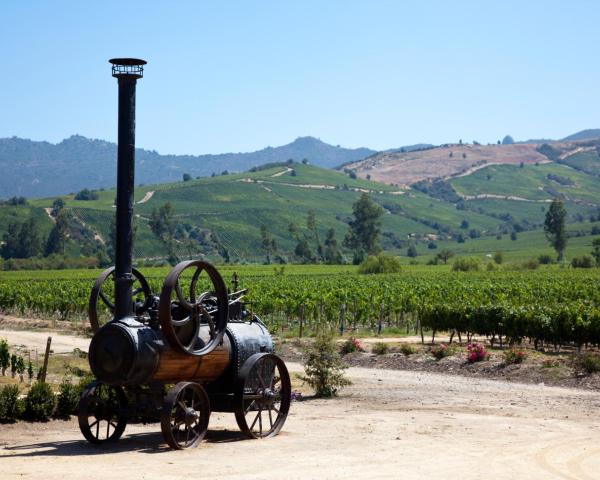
x=127, y=61
x=131, y=68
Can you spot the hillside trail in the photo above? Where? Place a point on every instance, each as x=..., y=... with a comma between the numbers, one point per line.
x=389, y=424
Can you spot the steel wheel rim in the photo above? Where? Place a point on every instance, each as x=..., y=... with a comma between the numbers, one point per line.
x=264, y=397
x=185, y=415
x=101, y=416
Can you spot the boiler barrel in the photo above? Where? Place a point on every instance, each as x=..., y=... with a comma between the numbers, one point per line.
x=127, y=352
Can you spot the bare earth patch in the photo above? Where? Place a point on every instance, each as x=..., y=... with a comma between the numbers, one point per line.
x=389, y=424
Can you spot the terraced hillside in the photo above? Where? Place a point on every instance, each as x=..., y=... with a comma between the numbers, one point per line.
x=227, y=212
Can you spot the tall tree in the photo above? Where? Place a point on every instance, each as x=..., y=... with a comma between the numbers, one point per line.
x=332, y=255
x=554, y=226
x=30, y=240
x=58, y=235
x=268, y=242
x=311, y=225
x=10, y=245
x=596, y=250
x=363, y=231
x=162, y=224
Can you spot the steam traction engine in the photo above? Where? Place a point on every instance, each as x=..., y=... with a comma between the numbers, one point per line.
x=194, y=337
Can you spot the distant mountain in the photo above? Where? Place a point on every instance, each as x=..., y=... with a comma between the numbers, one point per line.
x=583, y=135
x=41, y=169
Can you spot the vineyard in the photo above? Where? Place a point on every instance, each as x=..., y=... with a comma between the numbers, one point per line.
x=554, y=306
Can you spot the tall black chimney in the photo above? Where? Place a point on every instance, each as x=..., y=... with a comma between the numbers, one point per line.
x=127, y=71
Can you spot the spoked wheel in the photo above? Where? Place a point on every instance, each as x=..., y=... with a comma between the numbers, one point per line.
x=193, y=308
x=102, y=413
x=101, y=306
x=185, y=415
x=264, y=395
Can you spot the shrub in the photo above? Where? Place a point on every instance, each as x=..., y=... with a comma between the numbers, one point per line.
x=498, y=257
x=545, y=259
x=514, y=356
x=476, y=352
x=352, y=345
x=381, y=348
x=441, y=351
x=40, y=402
x=380, y=263
x=466, y=264
x=407, y=349
x=4, y=356
x=531, y=264
x=11, y=406
x=588, y=362
x=582, y=262
x=67, y=399
x=324, y=368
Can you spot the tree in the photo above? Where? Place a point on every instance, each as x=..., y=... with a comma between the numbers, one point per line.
x=162, y=224
x=303, y=251
x=333, y=255
x=187, y=177
x=311, y=225
x=57, y=206
x=268, y=242
x=86, y=194
x=411, y=251
x=363, y=231
x=554, y=226
x=508, y=140
x=596, y=250
x=445, y=255
x=58, y=235
x=22, y=240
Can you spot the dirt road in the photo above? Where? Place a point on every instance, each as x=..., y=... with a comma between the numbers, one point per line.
x=388, y=425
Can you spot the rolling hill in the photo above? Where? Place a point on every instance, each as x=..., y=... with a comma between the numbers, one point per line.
x=41, y=169
x=227, y=212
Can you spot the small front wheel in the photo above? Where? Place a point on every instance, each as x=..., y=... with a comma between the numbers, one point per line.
x=185, y=415
x=102, y=413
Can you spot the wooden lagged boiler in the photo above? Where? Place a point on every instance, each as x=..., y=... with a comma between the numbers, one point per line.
x=178, y=355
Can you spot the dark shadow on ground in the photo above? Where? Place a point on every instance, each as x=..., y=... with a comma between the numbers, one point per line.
x=148, y=442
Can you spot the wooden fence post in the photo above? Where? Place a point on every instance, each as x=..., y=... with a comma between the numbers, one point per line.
x=342, y=318
x=381, y=314
x=301, y=321
x=45, y=368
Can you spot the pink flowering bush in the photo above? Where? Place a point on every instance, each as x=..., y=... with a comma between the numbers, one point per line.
x=476, y=352
x=352, y=345
x=441, y=351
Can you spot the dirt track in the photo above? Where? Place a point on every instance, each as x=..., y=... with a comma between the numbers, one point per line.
x=388, y=425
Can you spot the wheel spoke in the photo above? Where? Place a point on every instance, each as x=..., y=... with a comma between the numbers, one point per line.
x=106, y=301
x=270, y=417
x=249, y=406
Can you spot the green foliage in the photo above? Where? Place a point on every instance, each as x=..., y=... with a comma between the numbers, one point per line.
x=498, y=258
x=514, y=355
x=67, y=399
x=407, y=349
x=508, y=140
x=596, y=251
x=554, y=226
x=380, y=263
x=333, y=256
x=163, y=225
x=324, y=368
x=531, y=264
x=11, y=406
x=40, y=402
x=351, y=345
x=22, y=240
x=13, y=364
x=584, y=261
x=445, y=255
x=588, y=362
x=86, y=194
x=4, y=356
x=466, y=264
x=187, y=177
x=364, y=229
x=441, y=351
x=381, y=348
x=545, y=259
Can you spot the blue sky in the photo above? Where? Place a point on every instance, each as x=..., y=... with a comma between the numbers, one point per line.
x=241, y=75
